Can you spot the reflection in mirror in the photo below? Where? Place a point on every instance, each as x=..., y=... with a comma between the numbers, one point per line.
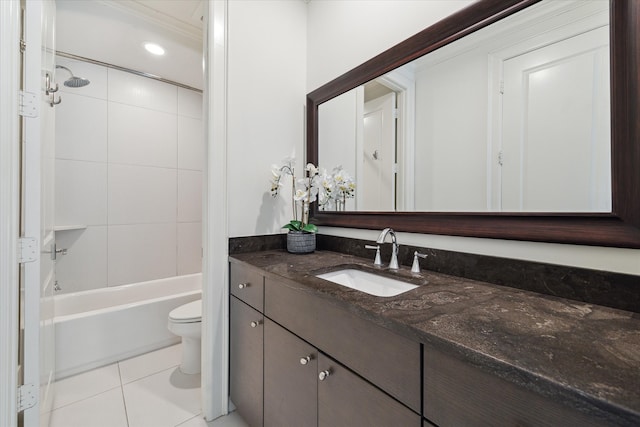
x=512, y=118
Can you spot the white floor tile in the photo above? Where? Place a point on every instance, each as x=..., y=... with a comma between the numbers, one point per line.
x=104, y=410
x=165, y=399
x=150, y=363
x=85, y=385
x=231, y=420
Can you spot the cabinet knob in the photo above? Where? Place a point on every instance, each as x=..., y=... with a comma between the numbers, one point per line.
x=305, y=360
x=255, y=323
x=243, y=285
x=323, y=375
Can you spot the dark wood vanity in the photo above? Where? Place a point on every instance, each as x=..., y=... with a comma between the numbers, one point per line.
x=305, y=351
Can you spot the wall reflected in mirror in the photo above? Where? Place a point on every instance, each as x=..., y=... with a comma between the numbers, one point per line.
x=512, y=118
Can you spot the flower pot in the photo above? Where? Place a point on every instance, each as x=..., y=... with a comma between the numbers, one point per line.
x=301, y=242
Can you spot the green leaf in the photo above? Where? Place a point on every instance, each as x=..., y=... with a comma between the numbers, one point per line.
x=293, y=225
x=311, y=228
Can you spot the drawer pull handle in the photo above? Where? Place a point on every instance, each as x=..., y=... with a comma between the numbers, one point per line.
x=243, y=285
x=305, y=360
x=323, y=375
x=255, y=323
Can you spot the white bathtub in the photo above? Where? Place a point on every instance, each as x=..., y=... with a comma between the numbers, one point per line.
x=98, y=327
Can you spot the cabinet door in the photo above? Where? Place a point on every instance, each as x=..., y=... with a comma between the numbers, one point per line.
x=290, y=379
x=345, y=399
x=246, y=341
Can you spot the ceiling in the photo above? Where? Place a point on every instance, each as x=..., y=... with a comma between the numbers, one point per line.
x=115, y=31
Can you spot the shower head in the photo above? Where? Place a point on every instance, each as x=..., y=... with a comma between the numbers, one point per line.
x=73, y=81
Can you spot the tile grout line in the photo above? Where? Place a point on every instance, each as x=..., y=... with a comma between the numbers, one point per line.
x=124, y=400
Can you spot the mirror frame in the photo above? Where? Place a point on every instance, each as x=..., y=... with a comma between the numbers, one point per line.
x=620, y=228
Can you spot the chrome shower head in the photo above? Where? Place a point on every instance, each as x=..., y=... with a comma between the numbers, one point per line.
x=73, y=81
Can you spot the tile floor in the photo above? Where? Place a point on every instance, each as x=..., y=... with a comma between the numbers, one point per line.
x=144, y=391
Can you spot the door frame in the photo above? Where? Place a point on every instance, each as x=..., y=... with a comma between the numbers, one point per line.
x=9, y=207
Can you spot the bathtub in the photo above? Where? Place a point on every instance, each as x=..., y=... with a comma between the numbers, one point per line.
x=102, y=326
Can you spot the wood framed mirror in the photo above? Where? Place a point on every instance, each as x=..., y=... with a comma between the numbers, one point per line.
x=618, y=228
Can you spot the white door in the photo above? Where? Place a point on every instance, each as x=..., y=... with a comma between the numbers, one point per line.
x=556, y=127
x=378, y=182
x=38, y=276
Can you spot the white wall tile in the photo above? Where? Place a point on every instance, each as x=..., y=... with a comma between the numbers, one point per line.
x=189, y=103
x=84, y=266
x=127, y=88
x=189, y=196
x=97, y=75
x=81, y=131
x=81, y=193
x=141, y=136
x=141, y=252
x=189, y=248
x=190, y=143
x=140, y=194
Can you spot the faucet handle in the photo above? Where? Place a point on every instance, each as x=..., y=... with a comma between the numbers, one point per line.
x=378, y=260
x=415, y=268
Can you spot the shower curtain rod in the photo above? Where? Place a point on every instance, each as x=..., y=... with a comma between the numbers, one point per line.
x=127, y=70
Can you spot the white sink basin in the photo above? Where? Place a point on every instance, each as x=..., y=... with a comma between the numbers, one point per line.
x=372, y=284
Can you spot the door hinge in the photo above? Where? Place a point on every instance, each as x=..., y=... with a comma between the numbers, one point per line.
x=396, y=113
x=23, y=46
x=502, y=87
x=500, y=158
x=27, y=104
x=27, y=249
x=27, y=396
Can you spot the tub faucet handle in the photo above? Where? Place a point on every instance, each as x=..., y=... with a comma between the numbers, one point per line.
x=377, y=260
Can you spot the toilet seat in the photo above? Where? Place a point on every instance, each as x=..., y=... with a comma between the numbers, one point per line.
x=188, y=313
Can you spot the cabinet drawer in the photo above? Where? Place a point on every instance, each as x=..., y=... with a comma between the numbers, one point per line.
x=456, y=394
x=388, y=360
x=247, y=285
x=344, y=399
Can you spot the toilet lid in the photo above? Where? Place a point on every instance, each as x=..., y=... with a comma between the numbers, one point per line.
x=191, y=312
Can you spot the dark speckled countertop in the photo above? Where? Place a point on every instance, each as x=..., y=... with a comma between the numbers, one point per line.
x=583, y=355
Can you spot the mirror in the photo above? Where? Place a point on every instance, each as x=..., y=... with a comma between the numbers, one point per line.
x=487, y=123
x=586, y=203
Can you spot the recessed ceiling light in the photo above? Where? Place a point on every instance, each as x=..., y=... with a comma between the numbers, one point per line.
x=154, y=48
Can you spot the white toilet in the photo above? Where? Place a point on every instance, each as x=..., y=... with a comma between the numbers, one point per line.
x=186, y=321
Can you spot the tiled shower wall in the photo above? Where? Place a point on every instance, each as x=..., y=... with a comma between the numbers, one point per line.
x=129, y=158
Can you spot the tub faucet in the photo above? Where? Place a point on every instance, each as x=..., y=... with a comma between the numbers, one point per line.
x=393, y=264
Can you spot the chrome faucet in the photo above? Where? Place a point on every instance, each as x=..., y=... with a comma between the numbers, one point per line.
x=393, y=264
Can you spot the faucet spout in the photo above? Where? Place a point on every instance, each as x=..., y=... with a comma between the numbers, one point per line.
x=393, y=264
x=383, y=236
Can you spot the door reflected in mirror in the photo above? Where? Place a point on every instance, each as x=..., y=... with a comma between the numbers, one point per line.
x=512, y=118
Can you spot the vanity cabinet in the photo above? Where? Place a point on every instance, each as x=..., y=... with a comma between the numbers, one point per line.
x=281, y=374
x=459, y=394
x=305, y=387
x=386, y=359
x=246, y=343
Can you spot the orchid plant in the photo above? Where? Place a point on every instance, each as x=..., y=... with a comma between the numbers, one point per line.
x=328, y=190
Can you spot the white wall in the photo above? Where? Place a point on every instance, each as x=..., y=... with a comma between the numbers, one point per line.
x=343, y=34
x=129, y=159
x=447, y=144
x=266, y=100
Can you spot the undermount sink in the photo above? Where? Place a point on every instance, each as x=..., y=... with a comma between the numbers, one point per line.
x=369, y=283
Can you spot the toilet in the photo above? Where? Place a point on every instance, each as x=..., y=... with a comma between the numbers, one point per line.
x=186, y=321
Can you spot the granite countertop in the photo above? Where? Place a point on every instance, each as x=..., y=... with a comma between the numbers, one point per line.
x=584, y=355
